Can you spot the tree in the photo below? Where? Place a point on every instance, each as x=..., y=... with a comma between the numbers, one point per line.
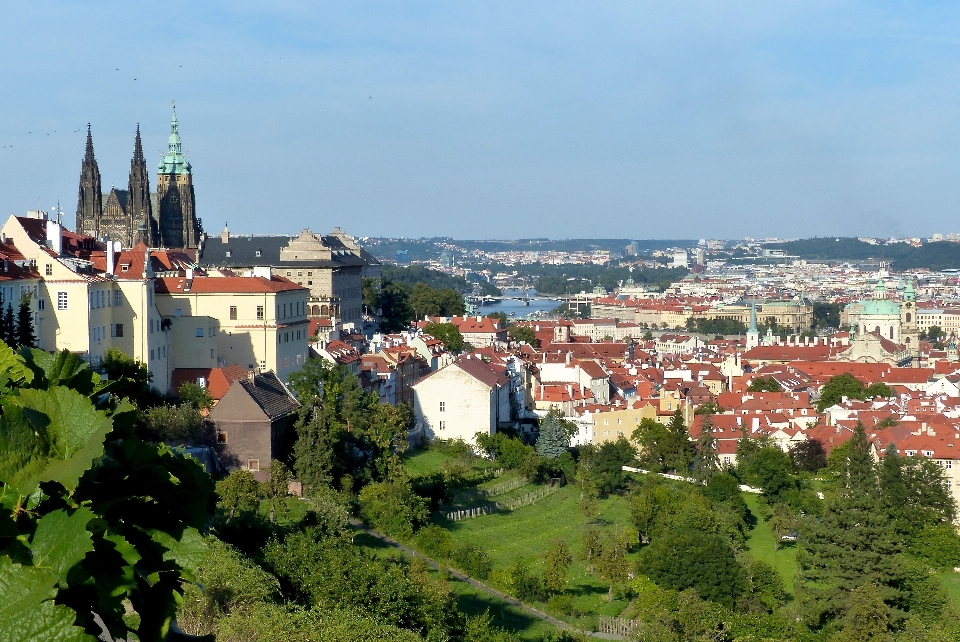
x=878, y=389
x=651, y=436
x=678, y=450
x=688, y=558
x=395, y=310
x=523, y=334
x=782, y=522
x=89, y=510
x=9, y=326
x=556, y=561
x=553, y=440
x=501, y=318
x=764, y=384
x=838, y=387
x=133, y=377
x=175, y=424
x=393, y=507
x=709, y=408
x=771, y=469
x=448, y=333
x=238, y=491
x=608, y=462
x=371, y=295
x=706, y=463
x=853, y=544
x=808, y=456
x=914, y=492
x=611, y=563
x=276, y=488
x=25, y=335
x=195, y=395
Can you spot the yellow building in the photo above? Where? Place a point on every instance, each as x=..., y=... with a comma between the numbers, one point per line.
x=612, y=422
x=261, y=322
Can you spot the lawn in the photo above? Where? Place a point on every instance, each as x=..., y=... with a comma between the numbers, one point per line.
x=422, y=461
x=951, y=582
x=527, y=532
x=760, y=542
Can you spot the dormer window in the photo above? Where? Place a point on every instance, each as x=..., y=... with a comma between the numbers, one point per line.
x=227, y=254
x=258, y=252
x=124, y=268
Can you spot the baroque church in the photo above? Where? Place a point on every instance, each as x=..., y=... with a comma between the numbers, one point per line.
x=165, y=218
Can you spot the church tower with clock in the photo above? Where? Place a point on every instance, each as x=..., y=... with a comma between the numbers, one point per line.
x=176, y=213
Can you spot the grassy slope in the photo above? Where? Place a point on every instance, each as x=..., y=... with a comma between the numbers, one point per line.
x=951, y=581
x=760, y=545
x=527, y=532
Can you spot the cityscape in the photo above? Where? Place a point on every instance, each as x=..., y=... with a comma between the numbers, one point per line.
x=223, y=417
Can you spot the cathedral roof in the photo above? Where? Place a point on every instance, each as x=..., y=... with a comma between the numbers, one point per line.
x=247, y=251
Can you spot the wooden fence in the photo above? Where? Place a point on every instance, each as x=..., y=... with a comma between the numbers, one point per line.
x=496, y=507
x=616, y=625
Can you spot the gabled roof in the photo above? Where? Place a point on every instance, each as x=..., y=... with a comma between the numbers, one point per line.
x=218, y=380
x=268, y=392
x=476, y=368
x=225, y=285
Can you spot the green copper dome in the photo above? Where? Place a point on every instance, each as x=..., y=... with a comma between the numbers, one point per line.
x=174, y=162
x=881, y=307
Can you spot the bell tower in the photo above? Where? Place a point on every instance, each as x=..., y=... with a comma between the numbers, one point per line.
x=908, y=323
x=178, y=225
x=90, y=199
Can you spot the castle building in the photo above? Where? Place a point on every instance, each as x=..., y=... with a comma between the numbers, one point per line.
x=166, y=218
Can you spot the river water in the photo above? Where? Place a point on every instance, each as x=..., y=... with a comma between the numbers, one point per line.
x=515, y=309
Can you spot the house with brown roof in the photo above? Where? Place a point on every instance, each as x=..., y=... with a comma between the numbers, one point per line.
x=462, y=399
x=254, y=421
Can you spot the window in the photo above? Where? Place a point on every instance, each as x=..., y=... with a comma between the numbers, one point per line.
x=726, y=459
x=199, y=332
x=260, y=312
x=151, y=326
x=443, y=406
x=233, y=312
x=116, y=297
x=257, y=253
x=227, y=254
x=40, y=305
x=253, y=464
x=289, y=273
x=61, y=300
x=48, y=269
x=309, y=282
x=212, y=354
x=222, y=437
x=299, y=273
x=443, y=425
x=163, y=352
x=949, y=463
x=949, y=486
x=606, y=422
x=151, y=355
x=309, y=273
x=113, y=331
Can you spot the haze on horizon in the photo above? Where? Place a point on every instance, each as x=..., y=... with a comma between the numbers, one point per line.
x=501, y=119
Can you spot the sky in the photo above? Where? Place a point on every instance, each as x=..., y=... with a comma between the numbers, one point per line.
x=694, y=119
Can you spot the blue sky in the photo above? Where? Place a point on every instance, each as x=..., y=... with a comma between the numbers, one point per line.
x=501, y=119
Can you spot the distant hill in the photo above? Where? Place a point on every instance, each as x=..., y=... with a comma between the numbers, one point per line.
x=430, y=248
x=934, y=256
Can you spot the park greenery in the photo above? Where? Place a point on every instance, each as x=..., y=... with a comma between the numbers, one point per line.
x=105, y=527
x=846, y=385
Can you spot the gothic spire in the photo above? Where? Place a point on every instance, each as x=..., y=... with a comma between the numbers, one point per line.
x=138, y=148
x=88, y=156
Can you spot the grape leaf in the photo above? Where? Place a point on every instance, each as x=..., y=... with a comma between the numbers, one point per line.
x=75, y=431
x=61, y=540
x=23, y=451
x=12, y=365
x=58, y=368
x=26, y=612
x=187, y=552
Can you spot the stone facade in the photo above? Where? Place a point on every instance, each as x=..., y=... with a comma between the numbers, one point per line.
x=166, y=218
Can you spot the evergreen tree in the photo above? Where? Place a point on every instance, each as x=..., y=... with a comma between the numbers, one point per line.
x=6, y=338
x=678, y=451
x=853, y=544
x=9, y=327
x=553, y=440
x=706, y=462
x=25, y=335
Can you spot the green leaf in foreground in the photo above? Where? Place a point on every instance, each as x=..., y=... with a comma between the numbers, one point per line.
x=61, y=541
x=187, y=552
x=27, y=613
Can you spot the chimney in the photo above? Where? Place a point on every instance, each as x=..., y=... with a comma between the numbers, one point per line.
x=479, y=319
x=111, y=267
x=225, y=234
x=189, y=274
x=54, y=236
x=252, y=376
x=756, y=424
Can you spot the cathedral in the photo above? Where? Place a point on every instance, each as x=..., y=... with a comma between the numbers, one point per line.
x=165, y=218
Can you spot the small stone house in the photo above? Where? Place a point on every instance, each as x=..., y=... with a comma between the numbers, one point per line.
x=254, y=421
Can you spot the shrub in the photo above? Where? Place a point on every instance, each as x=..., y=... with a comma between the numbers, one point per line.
x=473, y=560
x=434, y=541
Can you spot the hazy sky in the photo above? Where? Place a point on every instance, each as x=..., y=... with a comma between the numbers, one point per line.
x=500, y=119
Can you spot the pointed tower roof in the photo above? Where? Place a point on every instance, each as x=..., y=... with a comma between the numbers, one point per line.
x=909, y=294
x=88, y=156
x=138, y=148
x=753, y=317
x=174, y=162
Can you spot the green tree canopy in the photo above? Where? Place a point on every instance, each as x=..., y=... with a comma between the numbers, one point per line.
x=553, y=440
x=764, y=384
x=838, y=387
x=448, y=333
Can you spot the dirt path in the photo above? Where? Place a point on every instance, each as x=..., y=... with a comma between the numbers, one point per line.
x=480, y=585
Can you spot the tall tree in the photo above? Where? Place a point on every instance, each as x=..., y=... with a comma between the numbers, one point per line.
x=706, y=462
x=838, y=387
x=553, y=440
x=25, y=334
x=238, y=491
x=556, y=561
x=276, y=488
x=10, y=326
x=678, y=451
x=853, y=544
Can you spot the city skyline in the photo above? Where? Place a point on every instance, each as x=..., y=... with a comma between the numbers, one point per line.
x=497, y=121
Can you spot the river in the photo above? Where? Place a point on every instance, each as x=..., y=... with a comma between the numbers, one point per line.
x=515, y=309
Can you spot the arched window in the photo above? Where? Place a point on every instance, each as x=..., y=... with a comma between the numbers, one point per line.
x=324, y=311
x=909, y=317
x=891, y=332
x=877, y=330
x=315, y=311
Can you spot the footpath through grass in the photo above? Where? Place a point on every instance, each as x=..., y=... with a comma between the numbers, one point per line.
x=760, y=544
